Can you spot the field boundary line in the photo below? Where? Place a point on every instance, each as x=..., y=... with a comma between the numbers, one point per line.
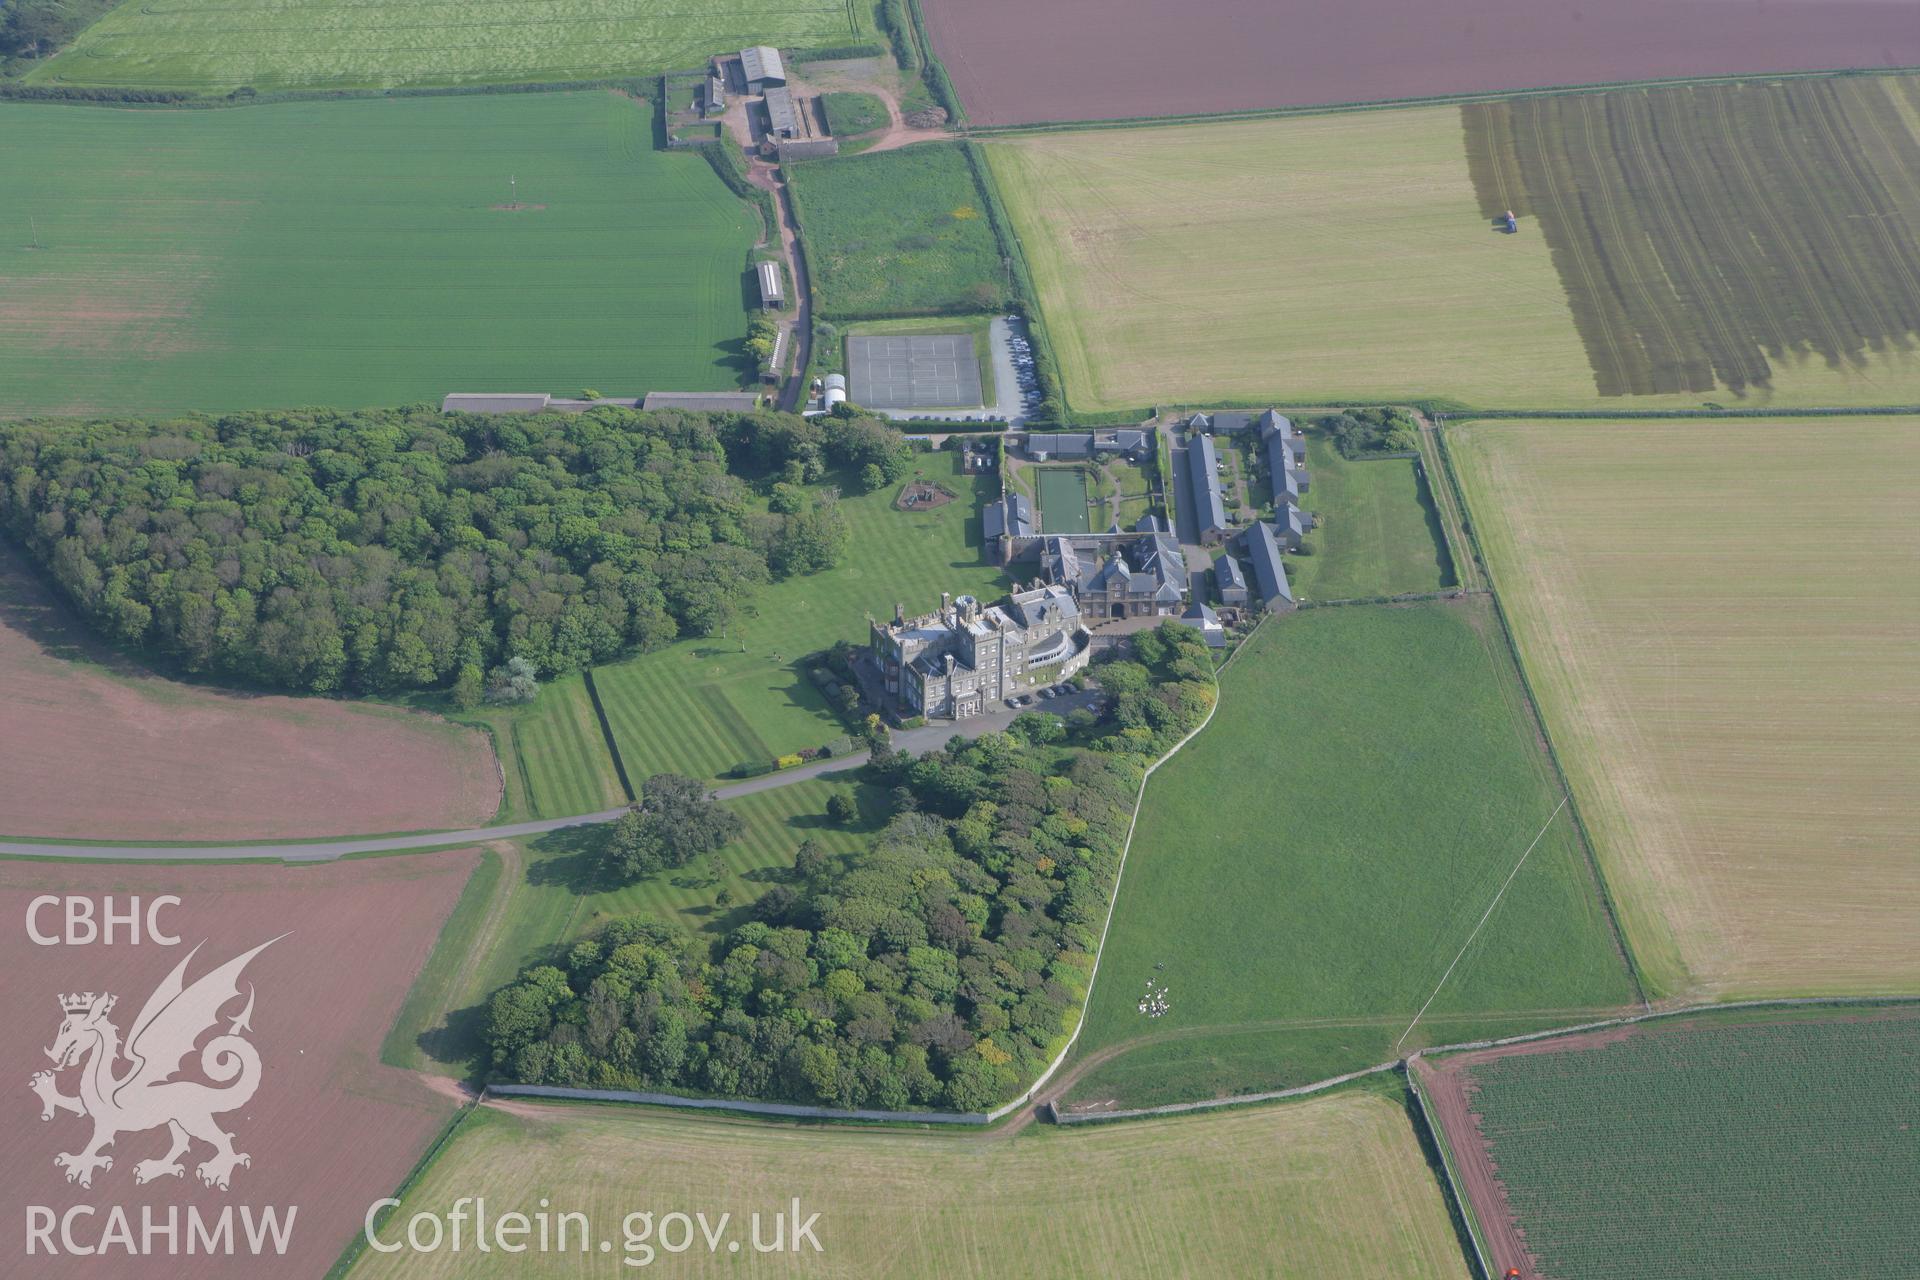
x=1525, y=1037
x=1635, y=975
x=1014, y=130
x=1484, y=917
x=358, y=1244
x=1113, y=900
x=1462, y=1203
x=606, y=736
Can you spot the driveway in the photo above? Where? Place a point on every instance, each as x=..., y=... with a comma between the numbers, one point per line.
x=929, y=738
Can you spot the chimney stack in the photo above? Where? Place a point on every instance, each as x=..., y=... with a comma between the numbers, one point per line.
x=946, y=602
x=899, y=614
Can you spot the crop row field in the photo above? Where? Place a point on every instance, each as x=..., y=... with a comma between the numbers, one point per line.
x=327, y=1127
x=1719, y=622
x=1331, y=857
x=1720, y=1147
x=1334, y=1186
x=360, y=253
x=704, y=706
x=1009, y=59
x=266, y=45
x=1763, y=254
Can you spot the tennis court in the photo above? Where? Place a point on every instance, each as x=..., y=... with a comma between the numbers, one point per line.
x=931, y=371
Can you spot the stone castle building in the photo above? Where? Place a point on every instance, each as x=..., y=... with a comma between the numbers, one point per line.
x=965, y=658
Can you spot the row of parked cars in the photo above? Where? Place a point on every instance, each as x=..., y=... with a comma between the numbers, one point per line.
x=1021, y=348
x=1050, y=692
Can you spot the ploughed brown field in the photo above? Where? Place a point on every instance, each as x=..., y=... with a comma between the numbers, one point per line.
x=92, y=747
x=1015, y=62
x=329, y=1130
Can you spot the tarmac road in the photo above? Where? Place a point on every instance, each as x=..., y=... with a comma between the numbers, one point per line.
x=920, y=740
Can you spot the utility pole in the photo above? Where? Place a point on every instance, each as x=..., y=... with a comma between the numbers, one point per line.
x=513, y=191
x=35, y=228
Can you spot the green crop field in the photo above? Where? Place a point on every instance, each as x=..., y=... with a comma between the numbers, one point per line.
x=1378, y=535
x=1358, y=259
x=272, y=44
x=701, y=707
x=1735, y=704
x=1305, y=872
x=1330, y=1187
x=898, y=233
x=1063, y=500
x=1713, y=1149
x=359, y=253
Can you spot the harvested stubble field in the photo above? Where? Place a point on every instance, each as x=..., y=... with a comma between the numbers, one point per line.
x=1763, y=255
x=330, y=1129
x=1719, y=620
x=1722, y=1148
x=359, y=253
x=94, y=747
x=339, y=44
x=1334, y=1186
x=1307, y=869
x=1014, y=62
x=703, y=706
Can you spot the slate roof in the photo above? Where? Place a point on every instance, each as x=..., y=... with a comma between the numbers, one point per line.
x=706, y=401
x=1227, y=573
x=1061, y=444
x=1203, y=478
x=1231, y=422
x=1263, y=548
x=508, y=402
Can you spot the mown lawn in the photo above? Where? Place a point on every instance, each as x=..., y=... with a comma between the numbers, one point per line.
x=898, y=233
x=342, y=44
x=703, y=706
x=1328, y=1187
x=358, y=253
x=1379, y=534
x=1305, y=872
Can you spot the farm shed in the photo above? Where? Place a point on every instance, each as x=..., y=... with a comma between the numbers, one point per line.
x=702, y=401
x=762, y=69
x=1203, y=478
x=783, y=118
x=1263, y=548
x=773, y=292
x=716, y=100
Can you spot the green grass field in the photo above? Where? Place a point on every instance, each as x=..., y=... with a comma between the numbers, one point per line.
x=271, y=44
x=1714, y=1148
x=357, y=253
x=701, y=707
x=1358, y=261
x=850, y=113
x=1306, y=870
x=1063, y=503
x=1735, y=706
x=1378, y=535
x=1330, y=1187
x=898, y=233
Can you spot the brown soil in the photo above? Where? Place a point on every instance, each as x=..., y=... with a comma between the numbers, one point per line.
x=330, y=1129
x=93, y=747
x=1016, y=62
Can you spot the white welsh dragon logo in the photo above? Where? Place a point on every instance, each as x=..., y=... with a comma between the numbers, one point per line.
x=144, y=1095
